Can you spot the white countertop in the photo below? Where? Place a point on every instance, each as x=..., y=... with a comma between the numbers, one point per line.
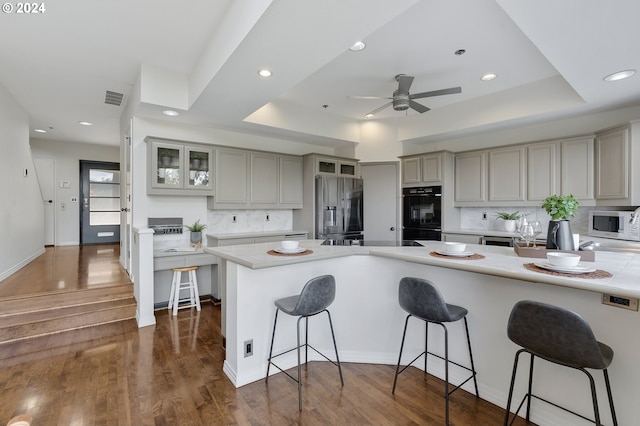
x=480, y=232
x=498, y=261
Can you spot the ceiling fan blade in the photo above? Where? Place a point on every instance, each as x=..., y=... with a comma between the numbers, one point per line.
x=449, y=91
x=377, y=110
x=366, y=97
x=404, y=83
x=418, y=107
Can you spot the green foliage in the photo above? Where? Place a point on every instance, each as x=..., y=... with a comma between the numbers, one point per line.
x=561, y=207
x=196, y=227
x=508, y=216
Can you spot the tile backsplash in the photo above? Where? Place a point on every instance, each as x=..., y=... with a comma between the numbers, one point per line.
x=471, y=218
x=222, y=221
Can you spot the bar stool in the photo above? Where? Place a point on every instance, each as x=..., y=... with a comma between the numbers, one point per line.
x=177, y=286
x=422, y=300
x=562, y=337
x=317, y=294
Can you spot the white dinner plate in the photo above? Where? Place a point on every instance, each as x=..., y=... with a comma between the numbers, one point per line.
x=455, y=253
x=579, y=269
x=290, y=251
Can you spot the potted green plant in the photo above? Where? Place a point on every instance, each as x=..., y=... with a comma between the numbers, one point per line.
x=165, y=156
x=196, y=159
x=509, y=220
x=561, y=208
x=196, y=231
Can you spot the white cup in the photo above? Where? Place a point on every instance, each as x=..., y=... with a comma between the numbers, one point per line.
x=576, y=241
x=161, y=173
x=290, y=244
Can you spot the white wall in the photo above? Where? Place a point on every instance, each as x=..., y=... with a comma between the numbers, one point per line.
x=67, y=156
x=21, y=207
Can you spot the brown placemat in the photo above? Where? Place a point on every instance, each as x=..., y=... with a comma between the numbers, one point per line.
x=598, y=273
x=474, y=256
x=275, y=253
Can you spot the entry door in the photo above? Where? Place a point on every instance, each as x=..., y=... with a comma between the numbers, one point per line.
x=99, y=202
x=45, y=170
x=381, y=200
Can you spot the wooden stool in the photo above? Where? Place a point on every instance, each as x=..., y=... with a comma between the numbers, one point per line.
x=177, y=285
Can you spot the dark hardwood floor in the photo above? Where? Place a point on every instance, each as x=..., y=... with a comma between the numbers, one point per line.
x=171, y=374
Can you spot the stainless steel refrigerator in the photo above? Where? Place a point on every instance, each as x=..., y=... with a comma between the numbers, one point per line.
x=339, y=208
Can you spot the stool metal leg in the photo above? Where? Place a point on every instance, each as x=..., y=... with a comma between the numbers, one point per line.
x=513, y=381
x=610, y=396
x=335, y=347
x=473, y=367
x=446, y=372
x=404, y=334
x=530, y=386
x=299, y=369
x=426, y=347
x=273, y=336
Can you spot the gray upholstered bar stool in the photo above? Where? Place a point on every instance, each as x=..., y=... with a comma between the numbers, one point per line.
x=422, y=300
x=316, y=296
x=562, y=337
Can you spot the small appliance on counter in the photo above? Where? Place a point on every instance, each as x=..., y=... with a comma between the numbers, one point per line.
x=165, y=225
x=619, y=225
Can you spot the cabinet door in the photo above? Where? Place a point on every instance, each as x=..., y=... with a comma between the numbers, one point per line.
x=166, y=165
x=347, y=168
x=577, y=168
x=541, y=171
x=612, y=165
x=198, y=164
x=231, y=177
x=264, y=178
x=290, y=195
x=325, y=166
x=431, y=168
x=470, y=172
x=411, y=171
x=506, y=174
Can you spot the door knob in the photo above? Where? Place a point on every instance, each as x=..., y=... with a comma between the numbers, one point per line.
x=393, y=228
x=50, y=201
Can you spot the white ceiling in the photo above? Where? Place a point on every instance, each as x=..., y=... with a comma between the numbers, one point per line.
x=550, y=58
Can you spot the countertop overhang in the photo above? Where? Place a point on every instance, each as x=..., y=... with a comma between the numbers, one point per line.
x=498, y=261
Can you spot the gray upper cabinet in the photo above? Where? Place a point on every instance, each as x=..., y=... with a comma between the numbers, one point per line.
x=470, y=178
x=256, y=180
x=577, y=168
x=507, y=169
x=331, y=166
x=612, y=171
x=177, y=168
x=542, y=171
x=422, y=170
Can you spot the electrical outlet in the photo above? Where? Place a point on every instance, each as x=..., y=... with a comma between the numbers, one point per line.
x=484, y=215
x=267, y=219
x=234, y=219
x=248, y=348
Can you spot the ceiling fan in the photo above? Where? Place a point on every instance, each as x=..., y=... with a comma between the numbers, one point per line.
x=403, y=100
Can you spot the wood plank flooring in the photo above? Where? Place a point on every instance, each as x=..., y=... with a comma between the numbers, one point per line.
x=171, y=374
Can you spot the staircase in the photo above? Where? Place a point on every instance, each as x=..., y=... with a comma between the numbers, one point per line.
x=27, y=318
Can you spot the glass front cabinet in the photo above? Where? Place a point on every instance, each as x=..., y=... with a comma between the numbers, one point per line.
x=179, y=169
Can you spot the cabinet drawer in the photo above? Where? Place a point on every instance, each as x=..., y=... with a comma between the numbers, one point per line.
x=162, y=263
x=202, y=259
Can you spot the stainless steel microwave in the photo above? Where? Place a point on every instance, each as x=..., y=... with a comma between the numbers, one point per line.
x=614, y=224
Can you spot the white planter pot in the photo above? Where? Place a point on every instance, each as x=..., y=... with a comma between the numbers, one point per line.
x=510, y=225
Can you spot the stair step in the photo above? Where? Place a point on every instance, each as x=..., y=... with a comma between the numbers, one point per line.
x=55, y=300
x=68, y=321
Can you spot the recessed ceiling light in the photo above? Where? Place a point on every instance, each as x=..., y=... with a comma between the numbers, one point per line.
x=459, y=52
x=488, y=77
x=85, y=123
x=265, y=73
x=170, y=113
x=358, y=46
x=620, y=75
x=40, y=130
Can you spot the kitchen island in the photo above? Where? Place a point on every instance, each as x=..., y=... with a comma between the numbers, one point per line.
x=368, y=320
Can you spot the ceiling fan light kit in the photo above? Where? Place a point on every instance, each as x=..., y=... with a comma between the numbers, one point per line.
x=402, y=100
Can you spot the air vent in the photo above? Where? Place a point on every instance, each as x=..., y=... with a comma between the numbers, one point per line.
x=113, y=98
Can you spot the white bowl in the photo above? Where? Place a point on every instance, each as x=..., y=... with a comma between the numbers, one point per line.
x=563, y=259
x=455, y=247
x=290, y=244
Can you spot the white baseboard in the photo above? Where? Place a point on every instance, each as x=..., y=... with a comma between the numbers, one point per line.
x=6, y=274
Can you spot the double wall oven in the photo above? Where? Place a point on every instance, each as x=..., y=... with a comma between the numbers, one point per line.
x=422, y=213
